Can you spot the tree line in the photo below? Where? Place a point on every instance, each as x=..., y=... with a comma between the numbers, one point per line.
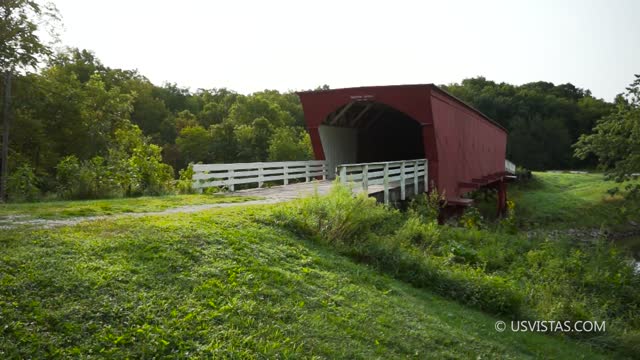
x=83, y=130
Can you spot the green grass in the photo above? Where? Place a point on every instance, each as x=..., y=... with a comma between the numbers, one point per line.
x=496, y=269
x=66, y=209
x=223, y=283
x=562, y=200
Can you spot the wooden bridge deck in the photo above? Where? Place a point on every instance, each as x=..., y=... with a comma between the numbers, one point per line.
x=281, y=193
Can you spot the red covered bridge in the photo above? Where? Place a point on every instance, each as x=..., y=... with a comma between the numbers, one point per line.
x=465, y=149
x=391, y=140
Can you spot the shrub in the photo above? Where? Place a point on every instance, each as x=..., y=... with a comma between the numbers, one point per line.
x=87, y=179
x=471, y=218
x=121, y=173
x=184, y=184
x=523, y=174
x=68, y=176
x=416, y=232
x=96, y=180
x=509, y=222
x=22, y=184
x=155, y=176
x=338, y=217
x=427, y=206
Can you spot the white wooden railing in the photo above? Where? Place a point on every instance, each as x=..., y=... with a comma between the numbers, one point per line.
x=509, y=167
x=389, y=174
x=229, y=175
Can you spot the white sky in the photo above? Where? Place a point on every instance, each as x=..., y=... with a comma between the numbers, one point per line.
x=249, y=46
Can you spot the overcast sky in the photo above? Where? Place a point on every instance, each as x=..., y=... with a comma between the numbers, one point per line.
x=249, y=46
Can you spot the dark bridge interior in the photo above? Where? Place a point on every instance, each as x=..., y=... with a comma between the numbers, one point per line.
x=383, y=133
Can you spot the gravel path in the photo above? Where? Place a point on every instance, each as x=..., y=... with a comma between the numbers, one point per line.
x=14, y=221
x=273, y=195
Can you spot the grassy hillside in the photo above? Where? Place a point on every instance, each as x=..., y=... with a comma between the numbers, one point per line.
x=223, y=283
x=563, y=200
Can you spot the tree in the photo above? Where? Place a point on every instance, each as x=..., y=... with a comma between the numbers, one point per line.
x=194, y=144
x=253, y=140
x=615, y=140
x=20, y=48
x=289, y=144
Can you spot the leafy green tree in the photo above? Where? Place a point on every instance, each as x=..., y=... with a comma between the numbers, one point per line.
x=107, y=110
x=185, y=119
x=249, y=108
x=23, y=184
x=149, y=112
x=211, y=114
x=82, y=63
x=224, y=146
x=20, y=49
x=175, y=98
x=253, y=140
x=194, y=144
x=20, y=45
x=290, y=144
x=615, y=140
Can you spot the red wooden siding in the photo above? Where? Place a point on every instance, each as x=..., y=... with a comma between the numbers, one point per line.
x=461, y=144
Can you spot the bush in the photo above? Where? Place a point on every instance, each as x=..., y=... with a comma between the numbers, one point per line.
x=124, y=172
x=22, y=184
x=523, y=174
x=68, y=177
x=509, y=223
x=87, y=179
x=155, y=177
x=338, y=218
x=419, y=233
x=471, y=218
x=427, y=206
x=184, y=184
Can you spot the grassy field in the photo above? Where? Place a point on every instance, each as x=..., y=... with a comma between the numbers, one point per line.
x=66, y=209
x=223, y=284
x=554, y=200
x=273, y=281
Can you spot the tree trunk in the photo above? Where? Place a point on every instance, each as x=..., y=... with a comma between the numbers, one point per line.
x=4, y=172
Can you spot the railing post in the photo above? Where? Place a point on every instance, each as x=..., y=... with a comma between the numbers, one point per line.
x=402, y=190
x=324, y=171
x=286, y=175
x=260, y=176
x=343, y=174
x=231, y=185
x=386, y=183
x=415, y=178
x=306, y=173
x=365, y=178
x=426, y=176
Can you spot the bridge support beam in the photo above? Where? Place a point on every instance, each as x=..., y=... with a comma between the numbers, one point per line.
x=502, y=198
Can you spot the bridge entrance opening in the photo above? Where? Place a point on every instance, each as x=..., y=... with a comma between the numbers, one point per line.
x=364, y=131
